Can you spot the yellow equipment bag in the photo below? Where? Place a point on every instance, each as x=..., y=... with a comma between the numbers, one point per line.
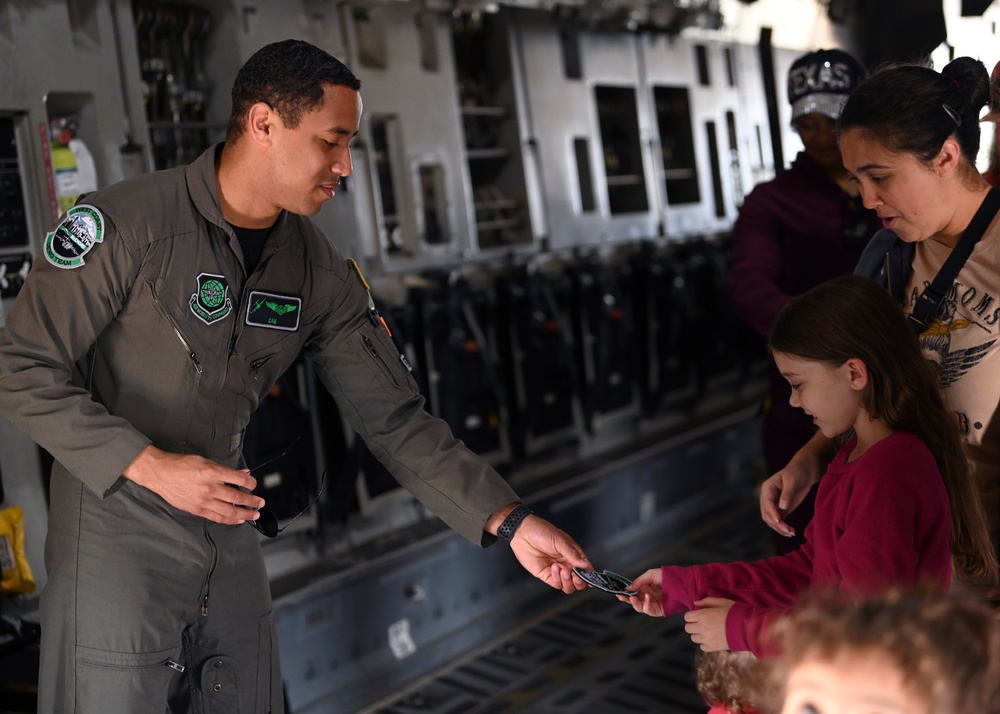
x=14, y=568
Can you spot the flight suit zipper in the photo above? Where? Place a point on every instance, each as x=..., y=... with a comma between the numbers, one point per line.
x=192, y=355
x=211, y=571
x=385, y=366
x=237, y=327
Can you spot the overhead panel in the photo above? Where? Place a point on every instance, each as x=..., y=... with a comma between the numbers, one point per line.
x=700, y=128
x=488, y=103
x=412, y=132
x=595, y=178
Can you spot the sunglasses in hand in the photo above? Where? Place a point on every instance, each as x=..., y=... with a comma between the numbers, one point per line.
x=267, y=523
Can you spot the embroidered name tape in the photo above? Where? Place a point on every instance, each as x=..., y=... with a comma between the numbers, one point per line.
x=274, y=311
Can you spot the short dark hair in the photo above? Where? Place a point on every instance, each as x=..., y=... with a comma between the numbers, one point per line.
x=289, y=76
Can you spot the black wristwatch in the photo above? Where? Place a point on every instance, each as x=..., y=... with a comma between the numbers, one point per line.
x=510, y=524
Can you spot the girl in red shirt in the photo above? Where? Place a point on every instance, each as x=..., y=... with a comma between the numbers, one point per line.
x=897, y=504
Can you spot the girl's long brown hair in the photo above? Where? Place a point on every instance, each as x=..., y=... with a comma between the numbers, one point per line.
x=852, y=317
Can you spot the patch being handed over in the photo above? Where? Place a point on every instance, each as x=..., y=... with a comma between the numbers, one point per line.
x=607, y=581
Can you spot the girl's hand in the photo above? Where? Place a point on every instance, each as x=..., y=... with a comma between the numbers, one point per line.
x=785, y=490
x=649, y=587
x=707, y=624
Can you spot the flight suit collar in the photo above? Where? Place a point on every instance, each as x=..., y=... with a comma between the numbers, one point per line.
x=203, y=189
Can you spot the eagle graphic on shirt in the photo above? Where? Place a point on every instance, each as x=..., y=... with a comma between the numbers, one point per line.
x=936, y=343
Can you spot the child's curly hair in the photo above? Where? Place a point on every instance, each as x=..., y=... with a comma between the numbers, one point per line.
x=946, y=648
x=736, y=680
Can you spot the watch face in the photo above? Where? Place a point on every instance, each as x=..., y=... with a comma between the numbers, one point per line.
x=607, y=581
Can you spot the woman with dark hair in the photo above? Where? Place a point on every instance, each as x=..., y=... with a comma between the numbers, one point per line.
x=910, y=137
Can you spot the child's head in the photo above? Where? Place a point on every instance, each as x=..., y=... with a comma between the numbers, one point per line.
x=736, y=680
x=852, y=322
x=913, y=651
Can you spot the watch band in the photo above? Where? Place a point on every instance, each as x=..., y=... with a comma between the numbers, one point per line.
x=506, y=530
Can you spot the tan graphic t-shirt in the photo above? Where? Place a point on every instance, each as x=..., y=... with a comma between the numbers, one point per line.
x=963, y=340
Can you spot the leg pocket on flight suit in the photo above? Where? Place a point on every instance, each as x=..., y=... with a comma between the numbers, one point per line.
x=125, y=682
x=270, y=696
x=220, y=690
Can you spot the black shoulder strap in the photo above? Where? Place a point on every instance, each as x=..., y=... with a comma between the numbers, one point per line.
x=929, y=300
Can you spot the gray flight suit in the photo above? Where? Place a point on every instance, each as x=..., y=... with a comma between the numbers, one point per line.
x=138, y=325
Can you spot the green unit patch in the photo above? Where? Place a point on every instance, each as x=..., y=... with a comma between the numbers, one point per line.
x=81, y=228
x=211, y=302
x=274, y=311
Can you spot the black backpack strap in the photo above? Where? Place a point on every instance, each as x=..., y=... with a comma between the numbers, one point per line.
x=930, y=299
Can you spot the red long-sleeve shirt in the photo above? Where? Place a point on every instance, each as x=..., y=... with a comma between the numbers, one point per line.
x=883, y=519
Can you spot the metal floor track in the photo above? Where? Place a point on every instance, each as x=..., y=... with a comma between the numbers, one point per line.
x=594, y=655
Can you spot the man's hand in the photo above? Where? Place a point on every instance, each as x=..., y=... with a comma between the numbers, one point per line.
x=707, y=624
x=649, y=587
x=196, y=485
x=549, y=554
x=785, y=490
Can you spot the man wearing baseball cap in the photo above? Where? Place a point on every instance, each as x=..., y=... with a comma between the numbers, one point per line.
x=802, y=228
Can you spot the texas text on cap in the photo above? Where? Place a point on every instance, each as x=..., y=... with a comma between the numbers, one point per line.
x=994, y=113
x=821, y=81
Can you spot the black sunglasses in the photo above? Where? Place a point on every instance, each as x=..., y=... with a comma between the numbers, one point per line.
x=267, y=523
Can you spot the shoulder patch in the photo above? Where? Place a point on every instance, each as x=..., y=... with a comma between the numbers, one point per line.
x=80, y=230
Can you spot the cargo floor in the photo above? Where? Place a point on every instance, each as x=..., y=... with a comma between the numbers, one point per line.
x=591, y=655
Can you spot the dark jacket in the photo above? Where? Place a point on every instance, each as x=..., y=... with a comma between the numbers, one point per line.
x=793, y=232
